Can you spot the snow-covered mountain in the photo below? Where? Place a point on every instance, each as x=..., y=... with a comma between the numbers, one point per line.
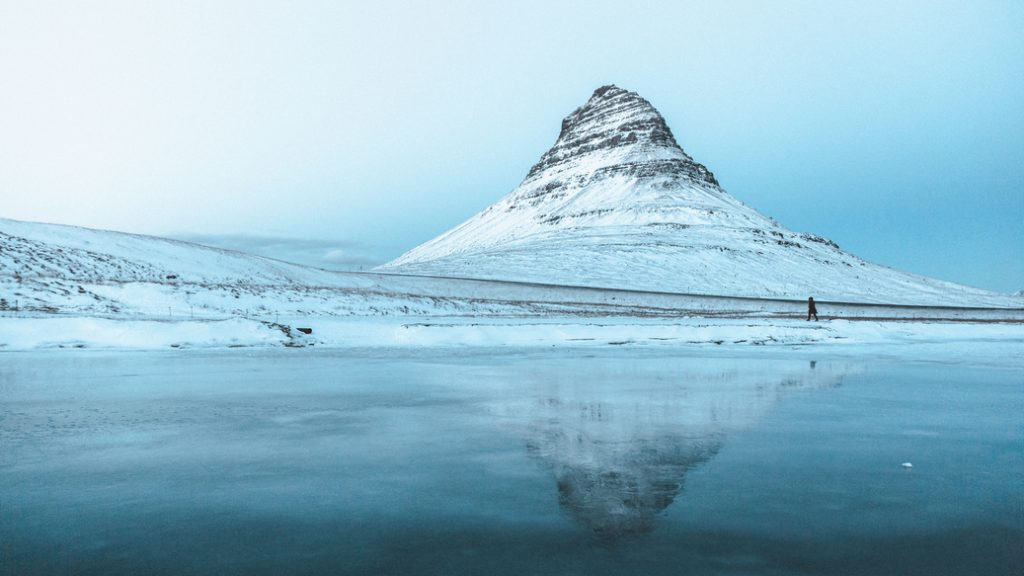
x=617, y=203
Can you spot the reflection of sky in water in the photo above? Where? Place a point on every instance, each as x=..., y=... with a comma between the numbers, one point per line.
x=328, y=462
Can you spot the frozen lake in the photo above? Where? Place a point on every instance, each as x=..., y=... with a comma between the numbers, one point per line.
x=462, y=461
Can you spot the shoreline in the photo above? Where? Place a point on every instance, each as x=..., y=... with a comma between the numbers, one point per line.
x=980, y=338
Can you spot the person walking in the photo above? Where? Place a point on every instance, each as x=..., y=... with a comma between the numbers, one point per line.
x=812, y=310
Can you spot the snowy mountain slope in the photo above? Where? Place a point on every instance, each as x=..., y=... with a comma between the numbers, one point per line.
x=71, y=252
x=54, y=269
x=66, y=269
x=617, y=203
x=50, y=266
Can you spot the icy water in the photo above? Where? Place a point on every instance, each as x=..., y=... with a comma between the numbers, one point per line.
x=615, y=461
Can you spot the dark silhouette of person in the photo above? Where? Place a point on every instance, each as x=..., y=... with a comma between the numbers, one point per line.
x=812, y=310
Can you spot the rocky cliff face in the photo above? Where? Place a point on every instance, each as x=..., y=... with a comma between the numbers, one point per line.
x=615, y=137
x=612, y=119
x=617, y=203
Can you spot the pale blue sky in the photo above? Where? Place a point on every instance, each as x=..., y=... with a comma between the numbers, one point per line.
x=894, y=128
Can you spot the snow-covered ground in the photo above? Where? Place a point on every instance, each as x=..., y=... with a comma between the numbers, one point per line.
x=983, y=342
x=63, y=286
x=67, y=270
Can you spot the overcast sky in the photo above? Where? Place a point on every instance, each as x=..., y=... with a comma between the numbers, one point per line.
x=894, y=128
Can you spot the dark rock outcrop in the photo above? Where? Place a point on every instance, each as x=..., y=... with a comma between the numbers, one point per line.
x=615, y=118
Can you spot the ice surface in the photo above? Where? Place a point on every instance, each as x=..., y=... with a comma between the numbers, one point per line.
x=450, y=461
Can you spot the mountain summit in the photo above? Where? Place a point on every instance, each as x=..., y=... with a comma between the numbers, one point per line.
x=617, y=203
x=614, y=118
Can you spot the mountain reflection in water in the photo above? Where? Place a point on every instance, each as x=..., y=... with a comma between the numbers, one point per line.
x=620, y=448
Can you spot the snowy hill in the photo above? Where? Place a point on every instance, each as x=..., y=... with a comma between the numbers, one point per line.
x=52, y=268
x=72, y=253
x=56, y=269
x=64, y=286
x=617, y=203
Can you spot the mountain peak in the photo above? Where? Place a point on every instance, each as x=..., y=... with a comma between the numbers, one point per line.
x=614, y=126
x=622, y=111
